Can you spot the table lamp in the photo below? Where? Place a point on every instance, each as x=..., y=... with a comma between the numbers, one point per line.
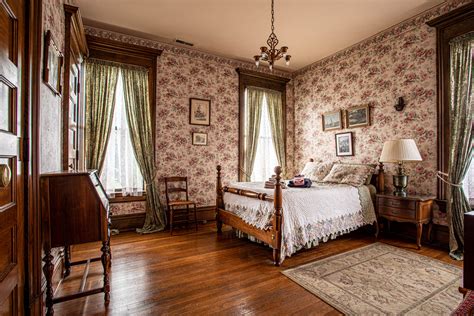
x=400, y=151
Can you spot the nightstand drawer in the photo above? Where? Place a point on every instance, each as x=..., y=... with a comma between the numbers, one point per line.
x=410, y=205
x=398, y=212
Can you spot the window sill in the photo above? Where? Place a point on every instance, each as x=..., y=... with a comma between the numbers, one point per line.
x=128, y=198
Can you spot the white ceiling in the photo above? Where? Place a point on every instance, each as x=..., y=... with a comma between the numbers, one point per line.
x=312, y=29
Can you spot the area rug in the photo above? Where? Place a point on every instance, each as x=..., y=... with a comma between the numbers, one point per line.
x=382, y=280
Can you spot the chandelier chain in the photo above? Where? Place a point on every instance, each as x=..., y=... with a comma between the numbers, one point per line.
x=273, y=19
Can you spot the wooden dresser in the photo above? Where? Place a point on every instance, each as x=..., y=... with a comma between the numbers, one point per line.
x=75, y=210
x=414, y=209
x=468, y=275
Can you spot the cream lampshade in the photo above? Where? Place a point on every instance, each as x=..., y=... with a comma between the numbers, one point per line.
x=400, y=151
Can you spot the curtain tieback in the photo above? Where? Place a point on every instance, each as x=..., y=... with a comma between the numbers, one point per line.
x=440, y=175
x=147, y=184
x=245, y=173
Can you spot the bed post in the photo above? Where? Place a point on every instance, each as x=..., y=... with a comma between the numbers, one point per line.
x=381, y=179
x=219, y=199
x=277, y=218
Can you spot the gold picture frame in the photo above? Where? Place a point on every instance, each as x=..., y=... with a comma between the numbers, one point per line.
x=358, y=116
x=332, y=120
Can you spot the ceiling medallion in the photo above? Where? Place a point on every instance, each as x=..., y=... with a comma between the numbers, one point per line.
x=271, y=53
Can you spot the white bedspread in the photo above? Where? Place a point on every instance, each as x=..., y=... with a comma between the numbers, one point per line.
x=309, y=215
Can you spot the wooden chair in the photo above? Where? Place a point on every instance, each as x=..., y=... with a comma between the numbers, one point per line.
x=177, y=205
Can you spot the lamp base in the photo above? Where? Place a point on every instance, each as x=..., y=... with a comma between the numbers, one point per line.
x=400, y=182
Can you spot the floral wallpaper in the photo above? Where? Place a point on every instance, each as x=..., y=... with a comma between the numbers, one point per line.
x=50, y=112
x=398, y=62
x=182, y=74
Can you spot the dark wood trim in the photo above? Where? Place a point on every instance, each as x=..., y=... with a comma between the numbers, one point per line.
x=448, y=26
x=262, y=80
x=128, y=198
x=75, y=50
x=130, y=222
x=33, y=293
x=110, y=50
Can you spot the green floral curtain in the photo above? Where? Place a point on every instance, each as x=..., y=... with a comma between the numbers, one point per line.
x=101, y=83
x=253, y=115
x=460, y=156
x=275, y=110
x=139, y=117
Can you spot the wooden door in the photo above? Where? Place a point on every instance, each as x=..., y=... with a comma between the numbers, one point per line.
x=11, y=185
x=74, y=121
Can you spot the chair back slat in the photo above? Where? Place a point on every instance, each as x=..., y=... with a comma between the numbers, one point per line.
x=175, y=190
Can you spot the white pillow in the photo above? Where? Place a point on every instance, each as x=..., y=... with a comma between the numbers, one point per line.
x=316, y=171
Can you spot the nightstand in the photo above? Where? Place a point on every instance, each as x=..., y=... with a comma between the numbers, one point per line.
x=414, y=209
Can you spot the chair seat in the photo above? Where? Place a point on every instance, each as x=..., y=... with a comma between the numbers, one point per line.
x=180, y=203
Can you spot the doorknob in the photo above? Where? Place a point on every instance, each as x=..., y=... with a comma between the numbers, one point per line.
x=5, y=175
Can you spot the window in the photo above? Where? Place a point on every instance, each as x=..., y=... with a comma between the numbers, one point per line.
x=265, y=158
x=121, y=173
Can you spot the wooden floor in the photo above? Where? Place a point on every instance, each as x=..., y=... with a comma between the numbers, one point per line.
x=201, y=273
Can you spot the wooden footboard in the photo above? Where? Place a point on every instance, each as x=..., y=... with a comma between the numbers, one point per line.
x=271, y=235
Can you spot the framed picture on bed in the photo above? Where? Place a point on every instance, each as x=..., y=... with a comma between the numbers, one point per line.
x=358, y=116
x=199, y=112
x=332, y=120
x=344, y=146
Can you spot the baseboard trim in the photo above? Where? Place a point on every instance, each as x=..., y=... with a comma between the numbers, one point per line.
x=130, y=222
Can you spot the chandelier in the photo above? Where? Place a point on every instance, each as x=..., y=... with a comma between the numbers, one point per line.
x=271, y=53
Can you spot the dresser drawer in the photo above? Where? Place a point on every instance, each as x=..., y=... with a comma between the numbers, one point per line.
x=410, y=205
x=398, y=212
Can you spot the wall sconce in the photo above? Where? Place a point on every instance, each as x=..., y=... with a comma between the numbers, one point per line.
x=400, y=105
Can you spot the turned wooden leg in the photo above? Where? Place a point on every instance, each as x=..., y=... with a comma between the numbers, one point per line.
x=419, y=231
x=67, y=260
x=105, y=258
x=48, y=270
x=171, y=221
x=276, y=257
x=219, y=226
x=430, y=227
x=377, y=230
x=110, y=252
x=195, y=217
x=187, y=216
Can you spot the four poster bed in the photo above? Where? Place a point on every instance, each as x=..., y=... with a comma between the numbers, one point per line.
x=257, y=213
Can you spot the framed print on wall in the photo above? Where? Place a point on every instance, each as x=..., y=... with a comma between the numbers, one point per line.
x=199, y=112
x=200, y=139
x=358, y=116
x=344, y=146
x=52, y=64
x=332, y=120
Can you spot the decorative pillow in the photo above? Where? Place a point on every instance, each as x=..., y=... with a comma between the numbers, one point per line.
x=316, y=171
x=352, y=174
x=369, y=178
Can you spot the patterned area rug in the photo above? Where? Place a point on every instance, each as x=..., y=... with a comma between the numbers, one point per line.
x=382, y=280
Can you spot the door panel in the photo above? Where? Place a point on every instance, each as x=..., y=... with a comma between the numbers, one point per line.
x=11, y=194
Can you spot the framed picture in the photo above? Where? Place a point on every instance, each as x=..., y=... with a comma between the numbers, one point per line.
x=344, y=145
x=52, y=64
x=199, y=112
x=332, y=120
x=358, y=116
x=200, y=139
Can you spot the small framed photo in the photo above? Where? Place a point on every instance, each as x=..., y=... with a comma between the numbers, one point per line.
x=332, y=120
x=52, y=64
x=200, y=139
x=199, y=112
x=344, y=146
x=358, y=116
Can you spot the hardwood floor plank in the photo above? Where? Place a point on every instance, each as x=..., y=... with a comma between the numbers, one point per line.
x=202, y=273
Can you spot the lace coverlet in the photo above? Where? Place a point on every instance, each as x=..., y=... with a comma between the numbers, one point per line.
x=310, y=215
